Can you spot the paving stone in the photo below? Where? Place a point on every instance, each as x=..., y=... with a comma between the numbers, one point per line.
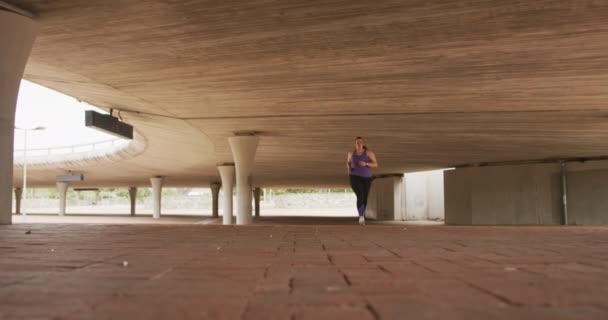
x=306, y=271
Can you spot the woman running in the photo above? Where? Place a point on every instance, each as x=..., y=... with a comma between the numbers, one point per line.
x=359, y=164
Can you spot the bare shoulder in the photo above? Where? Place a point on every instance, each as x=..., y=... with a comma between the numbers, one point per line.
x=371, y=153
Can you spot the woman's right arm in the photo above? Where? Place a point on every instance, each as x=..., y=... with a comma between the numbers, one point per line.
x=348, y=159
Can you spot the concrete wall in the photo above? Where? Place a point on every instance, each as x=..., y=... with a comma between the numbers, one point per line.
x=504, y=195
x=424, y=195
x=436, y=197
x=386, y=199
x=416, y=199
x=588, y=197
x=416, y=196
x=457, y=193
x=526, y=194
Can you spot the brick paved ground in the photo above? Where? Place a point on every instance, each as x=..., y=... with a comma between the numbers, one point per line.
x=264, y=271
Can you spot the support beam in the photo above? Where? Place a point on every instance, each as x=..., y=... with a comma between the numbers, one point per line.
x=215, y=194
x=17, y=34
x=10, y=7
x=227, y=176
x=62, y=188
x=157, y=188
x=243, y=151
x=133, y=198
x=18, y=194
x=256, y=200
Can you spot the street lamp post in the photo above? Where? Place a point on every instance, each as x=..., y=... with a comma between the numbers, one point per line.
x=24, y=200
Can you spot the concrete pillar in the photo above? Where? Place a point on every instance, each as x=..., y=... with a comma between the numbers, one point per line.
x=18, y=194
x=256, y=198
x=227, y=176
x=133, y=198
x=157, y=187
x=62, y=188
x=17, y=34
x=215, y=194
x=243, y=151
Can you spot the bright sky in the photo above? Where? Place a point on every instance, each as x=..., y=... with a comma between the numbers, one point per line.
x=61, y=115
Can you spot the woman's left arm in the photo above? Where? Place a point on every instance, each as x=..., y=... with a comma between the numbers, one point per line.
x=373, y=163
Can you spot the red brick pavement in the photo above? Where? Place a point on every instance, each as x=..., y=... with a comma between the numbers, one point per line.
x=302, y=272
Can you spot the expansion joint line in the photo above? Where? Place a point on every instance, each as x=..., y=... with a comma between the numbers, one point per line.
x=350, y=115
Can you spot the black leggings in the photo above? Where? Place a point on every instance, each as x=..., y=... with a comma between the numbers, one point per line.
x=361, y=186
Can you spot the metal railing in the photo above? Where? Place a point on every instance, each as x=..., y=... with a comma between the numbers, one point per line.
x=73, y=149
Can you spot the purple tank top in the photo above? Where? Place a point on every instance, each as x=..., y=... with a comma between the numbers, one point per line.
x=355, y=170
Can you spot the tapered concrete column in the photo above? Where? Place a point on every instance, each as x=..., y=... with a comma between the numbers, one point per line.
x=62, y=188
x=227, y=175
x=157, y=187
x=256, y=200
x=243, y=151
x=18, y=194
x=133, y=198
x=17, y=34
x=215, y=194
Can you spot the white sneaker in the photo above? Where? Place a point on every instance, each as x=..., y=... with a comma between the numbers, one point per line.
x=362, y=221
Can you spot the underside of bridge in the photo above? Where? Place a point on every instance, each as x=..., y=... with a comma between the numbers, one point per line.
x=261, y=93
x=429, y=84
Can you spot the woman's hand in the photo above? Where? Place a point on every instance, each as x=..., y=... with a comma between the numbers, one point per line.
x=362, y=163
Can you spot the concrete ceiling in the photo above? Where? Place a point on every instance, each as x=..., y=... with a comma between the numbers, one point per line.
x=430, y=84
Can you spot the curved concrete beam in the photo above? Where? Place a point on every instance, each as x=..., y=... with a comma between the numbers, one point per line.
x=243, y=151
x=17, y=34
x=118, y=153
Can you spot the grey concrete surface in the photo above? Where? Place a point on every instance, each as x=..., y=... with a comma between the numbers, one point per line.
x=527, y=194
